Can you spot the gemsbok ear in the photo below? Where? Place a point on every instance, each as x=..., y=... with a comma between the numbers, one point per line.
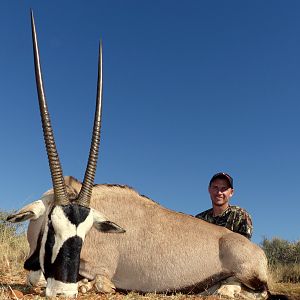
x=101, y=223
x=108, y=227
x=31, y=211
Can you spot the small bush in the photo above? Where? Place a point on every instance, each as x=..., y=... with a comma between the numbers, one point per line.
x=279, y=251
x=283, y=258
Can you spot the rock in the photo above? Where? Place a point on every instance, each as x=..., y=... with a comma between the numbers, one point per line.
x=16, y=294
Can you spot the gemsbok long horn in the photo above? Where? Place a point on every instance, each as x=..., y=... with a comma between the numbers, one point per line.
x=88, y=182
x=61, y=197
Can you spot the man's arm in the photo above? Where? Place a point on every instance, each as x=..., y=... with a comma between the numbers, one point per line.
x=244, y=225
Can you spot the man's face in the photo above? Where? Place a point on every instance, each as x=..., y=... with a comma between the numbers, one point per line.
x=220, y=192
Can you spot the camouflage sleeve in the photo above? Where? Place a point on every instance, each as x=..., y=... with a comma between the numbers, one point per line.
x=245, y=225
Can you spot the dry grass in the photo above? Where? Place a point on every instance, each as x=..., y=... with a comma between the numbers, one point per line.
x=13, y=251
x=289, y=273
x=13, y=246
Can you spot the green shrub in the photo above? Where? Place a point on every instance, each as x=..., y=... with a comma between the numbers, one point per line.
x=279, y=251
x=283, y=258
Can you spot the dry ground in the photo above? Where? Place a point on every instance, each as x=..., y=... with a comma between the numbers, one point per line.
x=14, y=287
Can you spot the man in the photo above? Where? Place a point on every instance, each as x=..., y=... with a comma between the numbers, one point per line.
x=232, y=217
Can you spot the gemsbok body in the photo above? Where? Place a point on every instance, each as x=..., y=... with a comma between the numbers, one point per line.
x=73, y=245
x=161, y=250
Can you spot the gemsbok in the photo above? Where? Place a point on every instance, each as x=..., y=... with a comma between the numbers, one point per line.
x=73, y=246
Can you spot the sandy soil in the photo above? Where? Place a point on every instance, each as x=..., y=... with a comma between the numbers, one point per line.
x=14, y=287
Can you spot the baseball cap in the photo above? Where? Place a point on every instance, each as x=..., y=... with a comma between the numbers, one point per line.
x=224, y=176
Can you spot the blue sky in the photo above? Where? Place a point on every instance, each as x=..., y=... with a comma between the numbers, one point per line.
x=191, y=88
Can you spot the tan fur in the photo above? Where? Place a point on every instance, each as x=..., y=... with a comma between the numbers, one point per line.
x=162, y=250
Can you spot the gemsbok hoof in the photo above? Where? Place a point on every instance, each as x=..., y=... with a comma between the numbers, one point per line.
x=84, y=286
x=104, y=285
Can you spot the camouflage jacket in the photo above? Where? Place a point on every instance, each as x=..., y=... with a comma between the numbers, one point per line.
x=233, y=218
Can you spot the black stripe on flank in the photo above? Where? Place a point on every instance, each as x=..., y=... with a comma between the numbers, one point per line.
x=32, y=263
x=76, y=213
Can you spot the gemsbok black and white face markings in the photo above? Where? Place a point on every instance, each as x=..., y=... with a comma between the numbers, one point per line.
x=65, y=222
